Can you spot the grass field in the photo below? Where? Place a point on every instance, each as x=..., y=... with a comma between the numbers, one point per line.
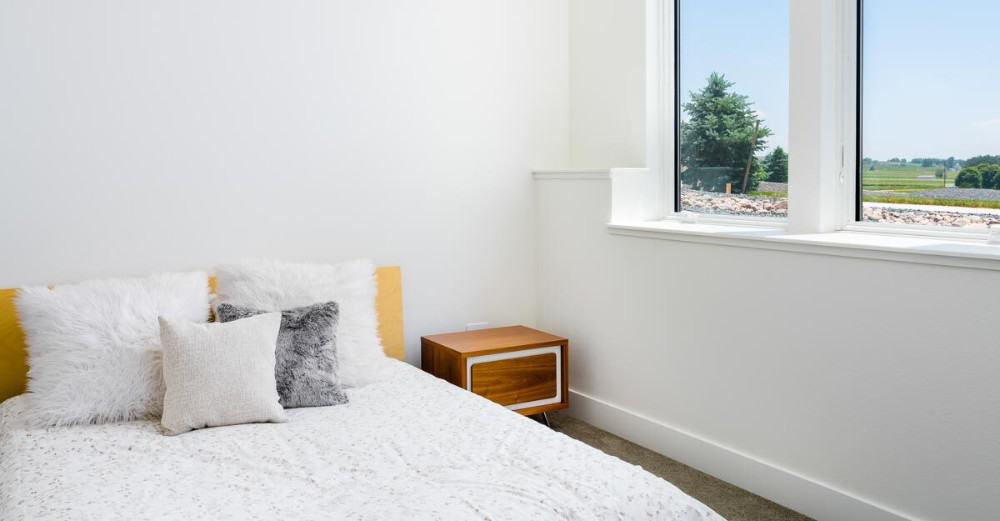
x=901, y=178
x=899, y=183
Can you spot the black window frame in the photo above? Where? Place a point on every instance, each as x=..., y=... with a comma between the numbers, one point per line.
x=859, y=167
x=677, y=106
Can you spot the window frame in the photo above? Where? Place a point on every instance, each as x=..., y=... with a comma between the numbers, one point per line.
x=677, y=106
x=821, y=204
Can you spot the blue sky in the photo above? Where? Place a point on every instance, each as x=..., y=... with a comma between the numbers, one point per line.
x=931, y=88
x=748, y=42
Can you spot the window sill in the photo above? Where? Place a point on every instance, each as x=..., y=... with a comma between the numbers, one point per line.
x=974, y=254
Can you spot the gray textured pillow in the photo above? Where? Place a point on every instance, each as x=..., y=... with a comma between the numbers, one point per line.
x=305, y=367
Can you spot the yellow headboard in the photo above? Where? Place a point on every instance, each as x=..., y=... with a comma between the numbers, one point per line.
x=14, y=357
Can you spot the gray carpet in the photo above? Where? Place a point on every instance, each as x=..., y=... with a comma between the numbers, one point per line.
x=730, y=501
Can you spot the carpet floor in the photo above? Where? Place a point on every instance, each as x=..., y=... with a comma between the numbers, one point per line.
x=730, y=501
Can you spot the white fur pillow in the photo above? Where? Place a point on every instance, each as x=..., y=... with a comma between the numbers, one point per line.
x=274, y=286
x=94, y=347
x=220, y=374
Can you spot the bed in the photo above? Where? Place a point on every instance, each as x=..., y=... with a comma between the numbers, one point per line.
x=408, y=446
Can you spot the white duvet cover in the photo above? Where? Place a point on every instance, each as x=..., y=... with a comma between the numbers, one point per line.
x=409, y=447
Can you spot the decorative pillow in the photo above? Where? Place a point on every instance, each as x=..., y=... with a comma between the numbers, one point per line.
x=94, y=347
x=219, y=374
x=274, y=286
x=306, y=355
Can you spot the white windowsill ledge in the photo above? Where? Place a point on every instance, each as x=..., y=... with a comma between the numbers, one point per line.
x=864, y=245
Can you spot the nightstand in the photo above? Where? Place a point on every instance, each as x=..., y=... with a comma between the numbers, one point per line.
x=518, y=367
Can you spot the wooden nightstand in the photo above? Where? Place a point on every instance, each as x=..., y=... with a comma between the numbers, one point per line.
x=518, y=367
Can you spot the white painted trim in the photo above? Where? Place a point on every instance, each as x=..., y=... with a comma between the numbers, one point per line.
x=819, y=500
x=731, y=220
x=896, y=248
x=660, y=101
x=917, y=230
x=633, y=195
x=572, y=175
x=814, y=114
x=556, y=350
x=848, y=61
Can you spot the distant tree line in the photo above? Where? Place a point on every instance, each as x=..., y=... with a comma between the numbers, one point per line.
x=925, y=162
x=982, y=160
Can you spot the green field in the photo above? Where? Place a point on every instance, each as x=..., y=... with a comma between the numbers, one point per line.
x=927, y=200
x=904, y=178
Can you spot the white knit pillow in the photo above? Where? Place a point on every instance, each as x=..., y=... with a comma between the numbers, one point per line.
x=275, y=286
x=94, y=347
x=219, y=374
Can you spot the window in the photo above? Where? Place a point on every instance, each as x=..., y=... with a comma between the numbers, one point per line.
x=929, y=116
x=873, y=110
x=731, y=85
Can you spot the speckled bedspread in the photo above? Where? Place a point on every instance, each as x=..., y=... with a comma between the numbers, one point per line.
x=408, y=448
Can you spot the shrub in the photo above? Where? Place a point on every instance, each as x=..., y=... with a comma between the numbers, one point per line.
x=969, y=177
x=991, y=176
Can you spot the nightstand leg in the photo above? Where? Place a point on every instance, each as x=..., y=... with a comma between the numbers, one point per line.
x=542, y=418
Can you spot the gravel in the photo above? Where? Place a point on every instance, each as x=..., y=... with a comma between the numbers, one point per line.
x=759, y=206
x=733, y=204
x=886, y=214
x=968, y=194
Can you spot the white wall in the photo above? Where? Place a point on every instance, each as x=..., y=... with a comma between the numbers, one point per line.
x=162, y=135
x=607, y=89
x=849, y=389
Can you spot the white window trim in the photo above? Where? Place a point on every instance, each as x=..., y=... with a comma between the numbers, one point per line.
x=822, y=122
x=972, y=254
x=632, y=214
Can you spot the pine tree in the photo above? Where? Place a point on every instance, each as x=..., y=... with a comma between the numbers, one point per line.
x=776, y=166
x=720, y=131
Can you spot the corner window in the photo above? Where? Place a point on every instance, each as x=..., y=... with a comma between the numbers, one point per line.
x=929, y=114
x=731, y=136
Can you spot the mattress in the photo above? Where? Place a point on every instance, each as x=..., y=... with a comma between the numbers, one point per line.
x=407, y=447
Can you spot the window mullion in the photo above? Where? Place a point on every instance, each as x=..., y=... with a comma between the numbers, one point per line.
x=815, y=136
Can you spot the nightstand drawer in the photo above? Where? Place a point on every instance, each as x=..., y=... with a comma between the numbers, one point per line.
x=518, y=379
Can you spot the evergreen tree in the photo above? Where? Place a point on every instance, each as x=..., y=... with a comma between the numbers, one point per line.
x=776, y=166
x=720, y=132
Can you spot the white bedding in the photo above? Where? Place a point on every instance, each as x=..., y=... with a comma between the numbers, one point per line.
x=408, y=447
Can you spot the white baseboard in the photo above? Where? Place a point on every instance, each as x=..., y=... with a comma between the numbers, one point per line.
x=817, y=500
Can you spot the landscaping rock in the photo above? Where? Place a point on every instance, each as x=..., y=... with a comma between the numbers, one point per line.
x=777, y=207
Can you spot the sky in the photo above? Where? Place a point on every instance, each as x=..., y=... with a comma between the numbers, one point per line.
x=931, y=83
